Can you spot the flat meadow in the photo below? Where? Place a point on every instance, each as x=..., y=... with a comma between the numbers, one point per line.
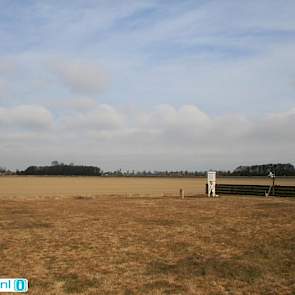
x=75, y=235
x=52, y=186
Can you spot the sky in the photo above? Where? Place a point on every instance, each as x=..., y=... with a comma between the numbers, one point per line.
x=147, y=84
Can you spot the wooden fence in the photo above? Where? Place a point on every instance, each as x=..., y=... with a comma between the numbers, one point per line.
x=257, y=190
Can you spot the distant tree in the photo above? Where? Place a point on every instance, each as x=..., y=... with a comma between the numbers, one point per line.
x=263, y=170
x=62, y=169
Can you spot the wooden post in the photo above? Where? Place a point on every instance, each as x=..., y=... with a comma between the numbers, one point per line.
x=181, y=193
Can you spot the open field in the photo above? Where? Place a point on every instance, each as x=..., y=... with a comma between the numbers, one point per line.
x=119, y=236
x=121, y=245
x=42, y=186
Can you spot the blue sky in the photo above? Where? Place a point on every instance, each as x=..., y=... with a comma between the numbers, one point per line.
x=109, y=68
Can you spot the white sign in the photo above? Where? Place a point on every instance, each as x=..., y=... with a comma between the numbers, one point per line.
x=211, y=176
x=211, y=183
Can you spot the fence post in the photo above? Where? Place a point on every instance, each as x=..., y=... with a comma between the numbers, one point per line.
x=181, y=193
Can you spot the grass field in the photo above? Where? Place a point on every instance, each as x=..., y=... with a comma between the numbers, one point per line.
x=34, y=187
x=146, y=245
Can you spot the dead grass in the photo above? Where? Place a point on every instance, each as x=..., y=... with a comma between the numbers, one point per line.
x=86, y=187
x=117, y=245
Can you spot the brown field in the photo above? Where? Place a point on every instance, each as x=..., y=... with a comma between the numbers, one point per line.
x=93, y=243
x=43, y=186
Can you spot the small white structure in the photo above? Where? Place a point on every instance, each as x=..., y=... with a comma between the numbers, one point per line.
x=271, y=187
x=211, y=184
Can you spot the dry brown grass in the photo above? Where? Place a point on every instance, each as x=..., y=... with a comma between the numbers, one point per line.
x=44, y=186
x=140, y=245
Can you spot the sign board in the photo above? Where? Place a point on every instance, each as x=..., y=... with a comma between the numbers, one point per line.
x=211, y=176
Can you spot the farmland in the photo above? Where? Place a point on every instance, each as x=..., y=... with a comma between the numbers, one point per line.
x=134, y=236
x=42, y=186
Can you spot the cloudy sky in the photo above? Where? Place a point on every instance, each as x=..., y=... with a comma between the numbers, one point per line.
x=147, y=84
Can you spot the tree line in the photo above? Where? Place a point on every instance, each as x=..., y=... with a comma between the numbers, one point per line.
x=71, y=169
x=258, y=170
x=62, y=169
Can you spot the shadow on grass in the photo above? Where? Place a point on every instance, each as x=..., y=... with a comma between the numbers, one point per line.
x=164, y=286
x=3, y=246
x=191, y=266
x=76, y=284
x=275, y=255
x=83, y=198
x=40, y=283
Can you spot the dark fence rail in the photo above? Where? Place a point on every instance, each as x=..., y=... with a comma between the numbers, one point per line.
x=257, y=190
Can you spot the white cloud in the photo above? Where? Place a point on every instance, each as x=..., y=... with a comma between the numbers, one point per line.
x=80, y=77
x=7, y=65
x=82, y=103
x=26, y=116
x=163, y=138
x=167, y=116
x=3, y=89
x=219, y=73
x=101, y=117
